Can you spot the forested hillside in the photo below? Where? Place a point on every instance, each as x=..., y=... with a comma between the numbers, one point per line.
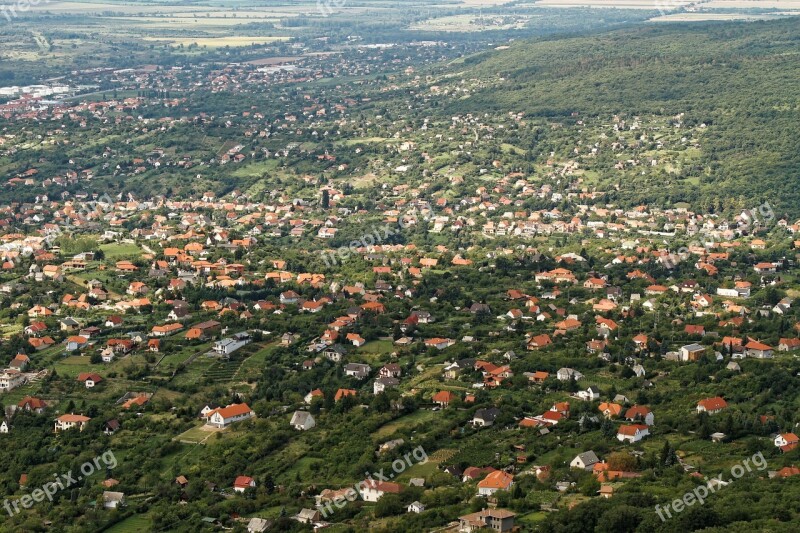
x=741, y=80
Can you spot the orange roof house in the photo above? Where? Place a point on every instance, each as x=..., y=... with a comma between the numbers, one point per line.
x=443, y=398
x=610, y=410
x=341, y=393
x=711, y=405
x=497, y=480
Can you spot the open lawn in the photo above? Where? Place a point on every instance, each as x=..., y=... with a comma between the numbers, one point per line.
x=407, y=422
x=196, y=435
x=132, y=524
x=115, y=250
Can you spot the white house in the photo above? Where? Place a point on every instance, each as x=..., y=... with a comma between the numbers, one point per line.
x=415, y=507
x=302, y=421
x=225, y=416
x=107, y=355
x=383, y=383
x=65, y=422
x=357, y=370
x=229, y=345
x=786, y=441
x=4, y=427
x=758, y=350
x=372, y=491
x=640, y=412
x=585, y=460
x=242, y=483
x=11, y=379
x=566, y=374
x=632, y=432
x=591, y=394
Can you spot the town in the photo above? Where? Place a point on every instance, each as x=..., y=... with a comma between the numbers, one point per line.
x=262, y=286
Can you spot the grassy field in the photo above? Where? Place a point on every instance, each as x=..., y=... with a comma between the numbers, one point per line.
x=132, y=524
x=114, y=250
x=195, y=435
x=406, y=422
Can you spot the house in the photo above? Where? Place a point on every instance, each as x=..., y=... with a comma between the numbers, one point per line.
x=691, y=352
x=258, y=525
x=316, y=393
x=289, y=297
x=538, y=377
x=36, y=328
x=334, y=352
x=111, y=426
x=229, y=345
x=415, y=507
x=390, y=370
x=69, y=324
x=302, y=421
x=566, y=374
x=439, y=343
x=107, y=355
x=76, y=342
x=287, y=339
x=443, y=398
x=355, y=339
x=225, y=416
x=590, y=394
x=500, y=520
x=561, y=407
x=307, y=516
x=610, y=410
x=497, y=480
x=632, y=433
x=733, y=366
x=11, y=379
x=606, y=491
x=112, y=500
x=539, y=341
x=357, y=370
x=65, y=422
x=372, y=491
x=382, y=384
x=640, y=413
x=166, y=329
x=89, y=379
x=29, y=403
x=765, y=268
x=585, y=460
x=242, y=483
x=20, y=362
x=786, y=441
x=343, y=393
x=485, y=417
x=788, y=345
x=453, y=370
x=711, y=405
x=694, y=330
x=758, y=350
